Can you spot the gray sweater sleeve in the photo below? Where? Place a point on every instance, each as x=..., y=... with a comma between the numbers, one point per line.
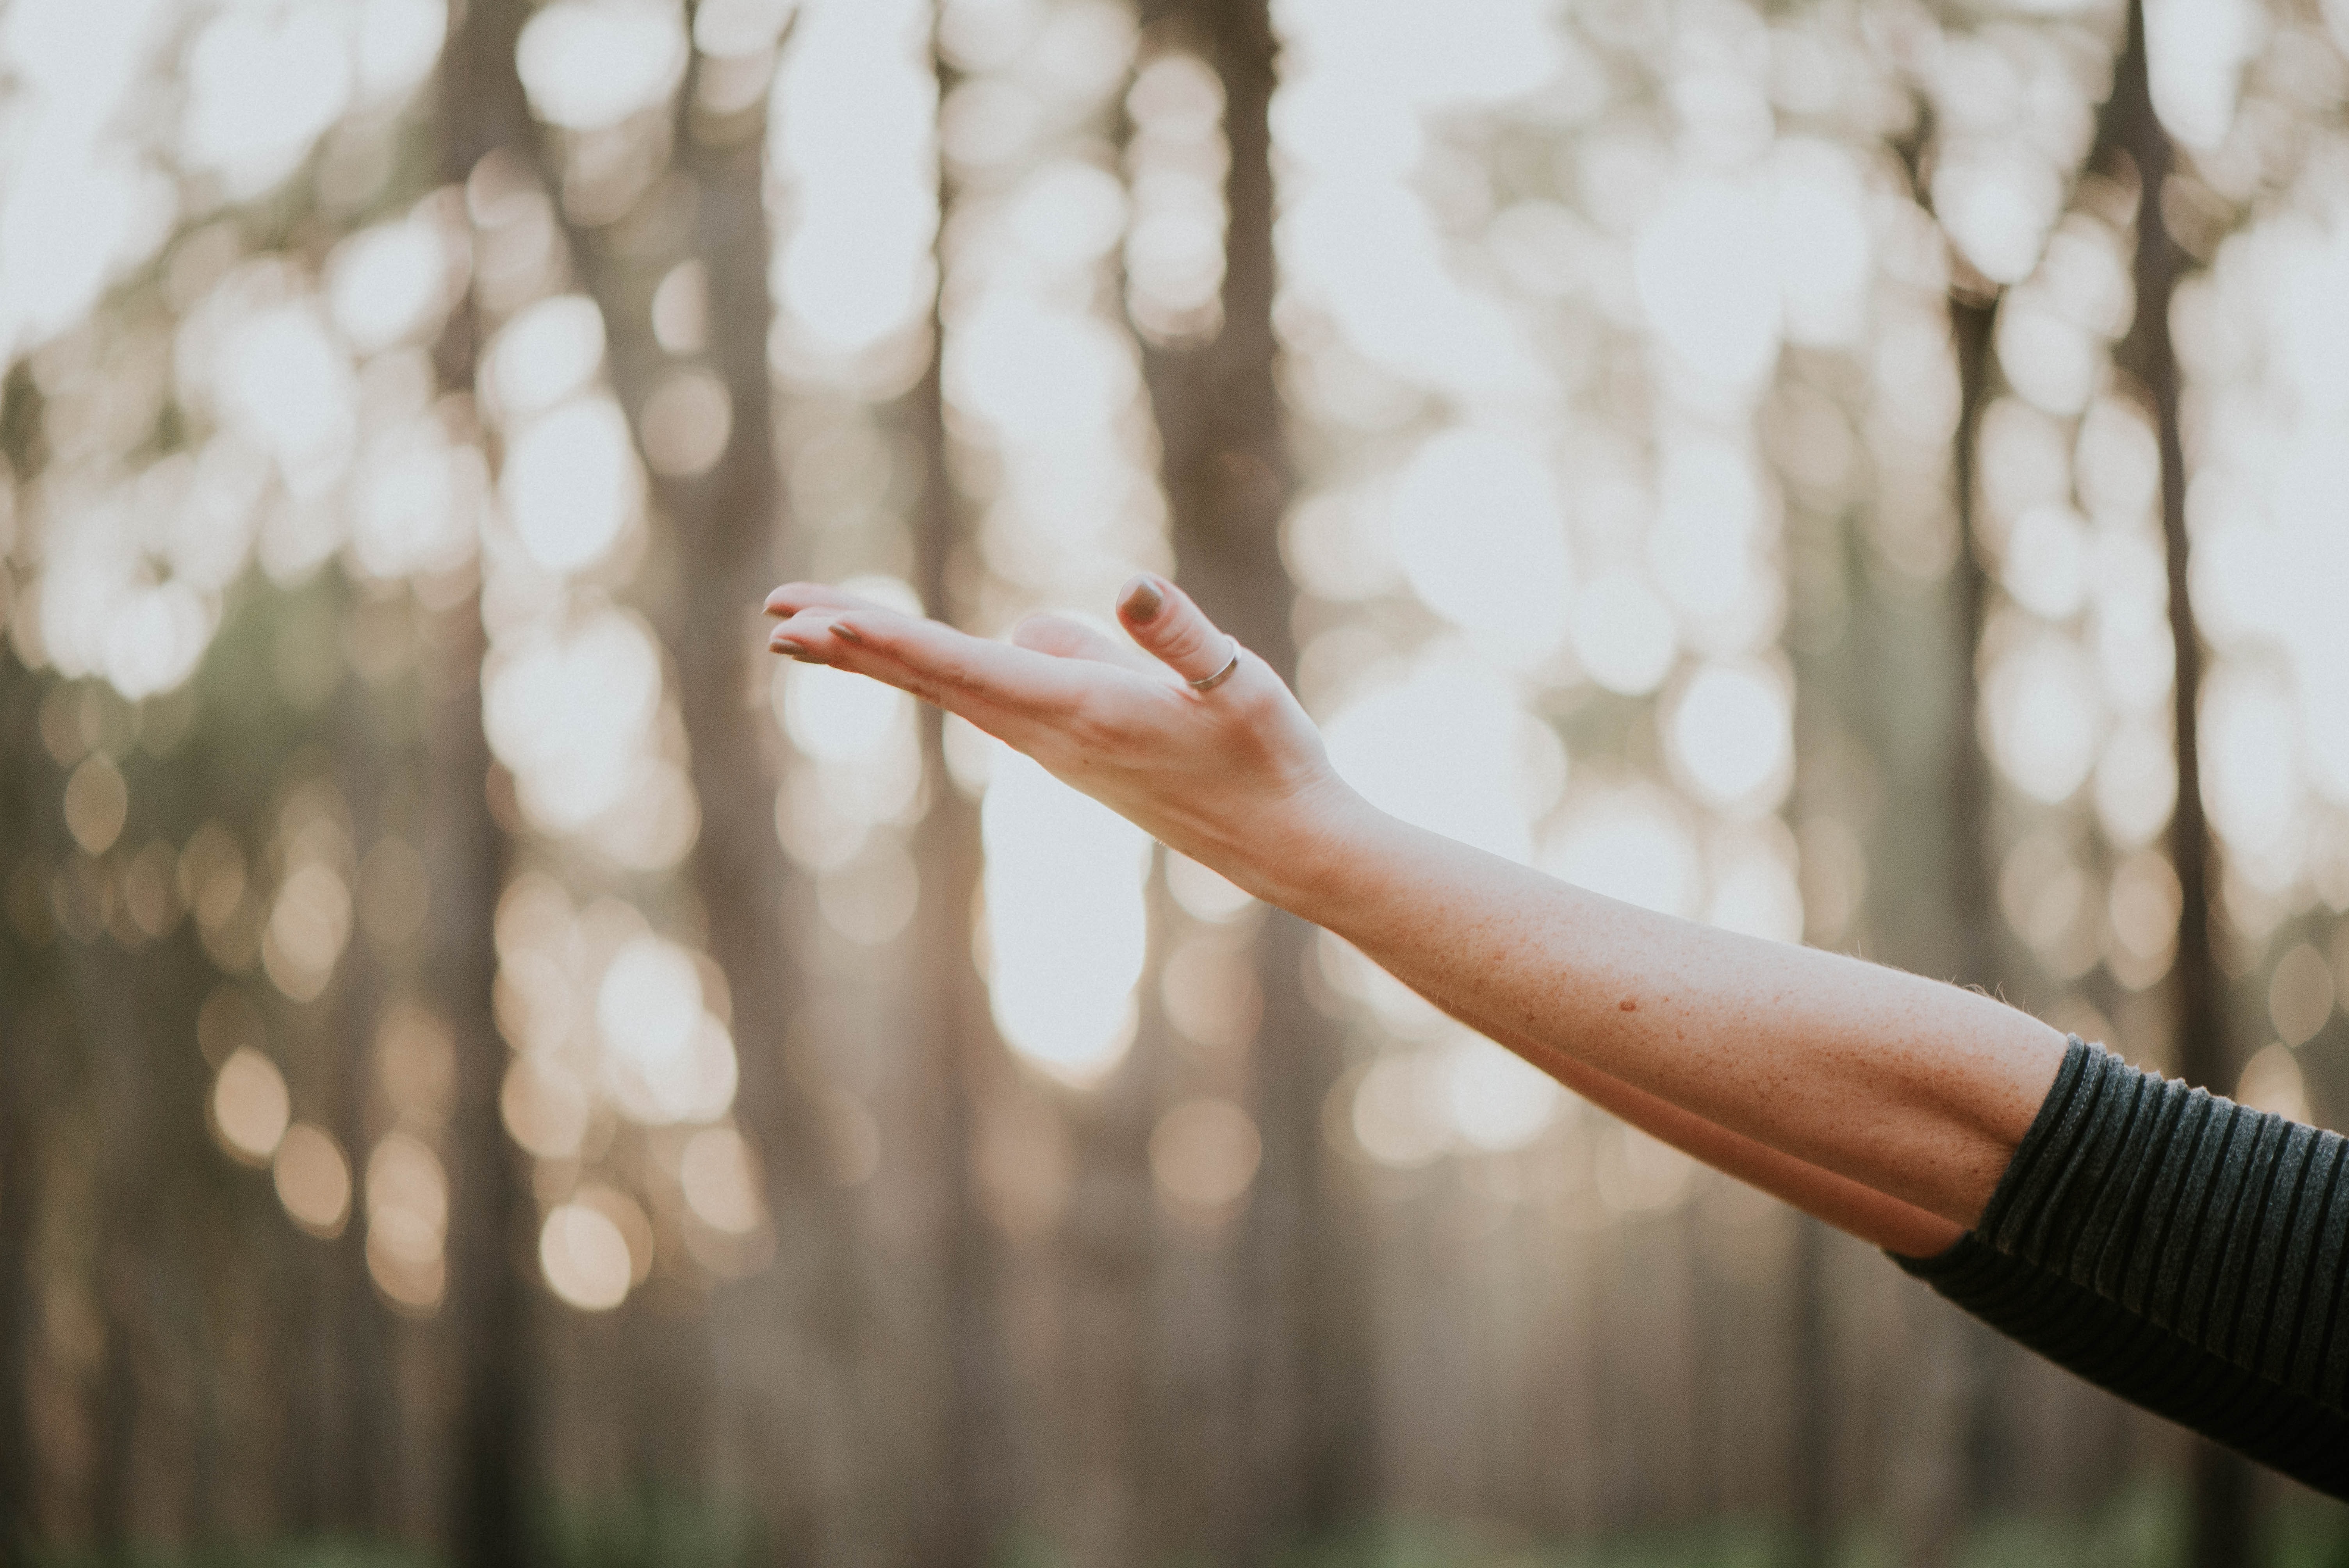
x=2179, y=1251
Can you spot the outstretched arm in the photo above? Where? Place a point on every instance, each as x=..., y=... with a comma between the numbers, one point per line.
x=1880, y=1082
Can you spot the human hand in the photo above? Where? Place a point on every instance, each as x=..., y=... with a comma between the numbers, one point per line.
x=1234, y=776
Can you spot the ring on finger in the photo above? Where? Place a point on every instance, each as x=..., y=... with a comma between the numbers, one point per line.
x=1209, y=683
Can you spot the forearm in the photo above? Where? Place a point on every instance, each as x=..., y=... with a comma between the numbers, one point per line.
x=1845, y=1205
x=1915, y=1091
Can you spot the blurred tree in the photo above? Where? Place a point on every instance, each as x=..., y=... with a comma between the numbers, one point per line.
x=966, y=1514
x=2134, y=145
x=353, y=1337
x=1932, y=900
x=26, y=787
x=1814, y=1418
x=1301, y=1463
x=492, y=1215
x=147, y=1226
x=723, y=527
x=1958, y=1381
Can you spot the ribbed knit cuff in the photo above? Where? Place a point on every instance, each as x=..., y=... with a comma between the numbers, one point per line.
x=2179, y=1249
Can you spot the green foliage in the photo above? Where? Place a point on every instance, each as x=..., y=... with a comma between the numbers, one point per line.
x=281, y=1555
x=655, y=1528
x=2310, y=1534
x=1428, y=1545
x=2141, y=1527
x=1028, y=1549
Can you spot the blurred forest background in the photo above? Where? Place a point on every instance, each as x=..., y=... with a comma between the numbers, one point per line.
x=494, y=1071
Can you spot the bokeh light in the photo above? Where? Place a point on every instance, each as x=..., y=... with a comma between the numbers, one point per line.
x=261, y=87
x=1480, y=533
x=1203, y=894
x=1731, y=734
x=407, y=1221
x=1623, y=634
x=583, y=1256
x=667, y=1058
x=1706, y=300
x=1498, y=1101
x=1630, y=844
x=1398, y=1112
x=309, y=925
x=2041, y=710
x=1176, y=163
x=551, y=350
x=1066, y=932
x=720, y=1176
x=1202, y=1154
x=2300, y=995
x=2273, y=1082
x=1638, y=1175
x=314, y=1178
x=588, y=63
x=1439, y=748
x=570, y=484
x=545, y=1107
x=851, y=132
x=249, y=1107
x=97, y=803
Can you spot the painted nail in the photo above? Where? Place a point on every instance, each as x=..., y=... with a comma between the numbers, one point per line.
x=790, y=648
x=846, y=633
x=1141, y=600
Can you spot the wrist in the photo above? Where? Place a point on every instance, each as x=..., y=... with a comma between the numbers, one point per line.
x=1308, y=855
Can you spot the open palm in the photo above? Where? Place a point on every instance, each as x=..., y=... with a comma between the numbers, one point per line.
x=1234, y=776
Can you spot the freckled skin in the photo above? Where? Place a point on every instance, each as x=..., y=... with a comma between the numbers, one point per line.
x=1886, y=1104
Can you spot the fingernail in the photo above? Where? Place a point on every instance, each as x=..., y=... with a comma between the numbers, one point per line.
x=790, y=647
x=846, y=633
x=1141, y=600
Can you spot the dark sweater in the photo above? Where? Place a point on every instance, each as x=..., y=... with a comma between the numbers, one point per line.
x=2180, y=1251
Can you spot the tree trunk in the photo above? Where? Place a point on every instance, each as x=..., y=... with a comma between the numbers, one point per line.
x=1942, y=917
x=1303, y=1461
x=1973, y=316
x=2223, y=1519
x=725, y=528
x=1813, y=1423
x=725, y=525
x=364, y=1378
x=128, y=1017
x=492, y=1216
x=963, y=1523
x=1954, y=1391
x=24, y=780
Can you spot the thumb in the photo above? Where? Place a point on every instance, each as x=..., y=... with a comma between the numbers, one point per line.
x=1162, y=618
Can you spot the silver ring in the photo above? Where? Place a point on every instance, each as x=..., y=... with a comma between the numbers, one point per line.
x=1211, y=682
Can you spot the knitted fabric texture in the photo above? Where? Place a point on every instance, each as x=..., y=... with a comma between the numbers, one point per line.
x=2180, y=1251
